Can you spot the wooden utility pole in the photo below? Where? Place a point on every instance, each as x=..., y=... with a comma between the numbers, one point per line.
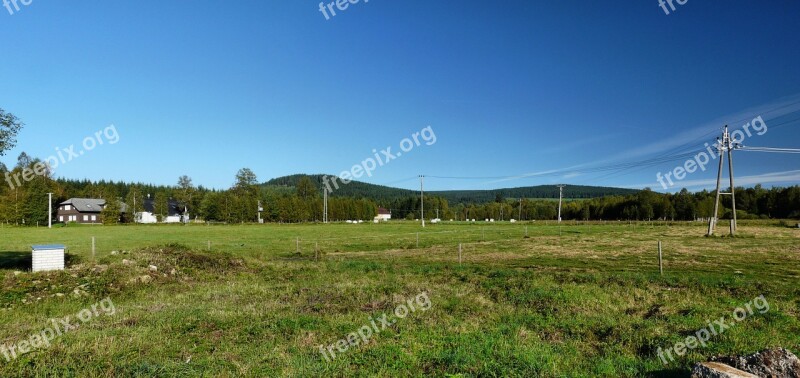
x=422, y=198
x=560, y=197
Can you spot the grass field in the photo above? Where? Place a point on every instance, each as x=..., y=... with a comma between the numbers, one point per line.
x=576, y=300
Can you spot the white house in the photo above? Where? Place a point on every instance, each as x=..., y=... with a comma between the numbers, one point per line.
x=146, y=218
x=383, y=215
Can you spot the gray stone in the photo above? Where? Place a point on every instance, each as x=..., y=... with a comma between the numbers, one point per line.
x=718, y=370
x=771, y=363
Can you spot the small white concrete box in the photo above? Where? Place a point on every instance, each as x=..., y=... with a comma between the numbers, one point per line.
x=48, y=257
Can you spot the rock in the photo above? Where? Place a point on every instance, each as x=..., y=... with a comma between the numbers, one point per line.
x=153, y=268
x=101, y=268
x=718, y=370
x=145, y=279
x=127, y=262
x=59, y=295
x=114, y=253
x=773, y=363
x=173, y=272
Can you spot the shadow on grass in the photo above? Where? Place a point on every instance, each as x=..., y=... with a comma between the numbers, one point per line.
x=669, y=373
x=14, y=260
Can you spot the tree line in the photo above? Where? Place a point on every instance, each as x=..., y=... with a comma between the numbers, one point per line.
x=27, y=204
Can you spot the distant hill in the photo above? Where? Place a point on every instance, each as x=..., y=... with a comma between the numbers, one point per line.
x=355, y=189
x=381, y=193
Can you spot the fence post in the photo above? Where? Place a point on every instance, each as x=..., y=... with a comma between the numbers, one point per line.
x=660, y=259
x=526, y=231
x=93, y=244
x=459, y=253
x=298, y=246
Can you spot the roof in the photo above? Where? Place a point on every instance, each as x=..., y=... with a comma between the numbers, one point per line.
x=173, y=207
x=48, y=247
x=86, y=205
x=91, y=205
x=382, y=211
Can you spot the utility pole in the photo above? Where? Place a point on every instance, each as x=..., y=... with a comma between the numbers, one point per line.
x=49, y=210
x=422, y=198
x=722, y=146
x=560, y=197
x=325, y=206
x=520, y=209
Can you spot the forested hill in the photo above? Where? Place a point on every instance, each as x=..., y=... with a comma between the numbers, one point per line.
x=355, y=189
x=378, y=192
x=541, y=191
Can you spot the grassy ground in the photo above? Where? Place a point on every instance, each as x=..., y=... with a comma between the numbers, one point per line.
x=574, y=300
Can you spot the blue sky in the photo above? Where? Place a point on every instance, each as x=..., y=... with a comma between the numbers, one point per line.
x=520, y=87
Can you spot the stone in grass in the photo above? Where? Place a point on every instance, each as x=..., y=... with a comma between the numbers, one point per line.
x=153, y=268
x=141, y=279
x=772, y=363
x=718, y=370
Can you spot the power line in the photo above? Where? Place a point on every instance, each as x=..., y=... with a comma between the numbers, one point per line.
x=770, y=149
x=676, y=153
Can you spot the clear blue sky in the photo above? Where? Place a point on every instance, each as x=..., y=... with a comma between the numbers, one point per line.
x=204, y=88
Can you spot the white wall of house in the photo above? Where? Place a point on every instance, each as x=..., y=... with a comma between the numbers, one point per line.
x=173, y=219
x=146, y=218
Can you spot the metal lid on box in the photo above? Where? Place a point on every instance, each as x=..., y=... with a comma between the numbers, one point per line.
x=48, y=247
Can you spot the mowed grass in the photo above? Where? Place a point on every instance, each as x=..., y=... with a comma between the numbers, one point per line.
x=581, y=299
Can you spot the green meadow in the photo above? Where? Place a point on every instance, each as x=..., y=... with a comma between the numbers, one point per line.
x=521, y=300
